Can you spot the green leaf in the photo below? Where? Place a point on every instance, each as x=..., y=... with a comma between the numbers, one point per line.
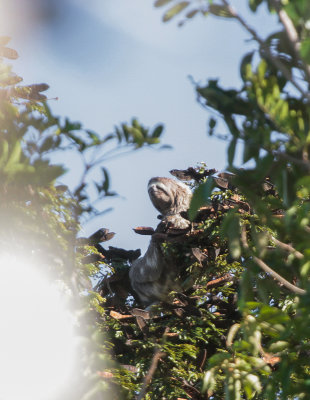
x=254, y=4
x=172, y=12
x=106, y=180
x=231, y=334
x=278, y=346
x=200, y=197
x=135, y=123
x=47, y=144
x=246, y=61
x=118, y=133
x=272, y=315
x=46, y=173
x=157, y=131
x=192, y=13
x=94, y=137
x=209, y=381
x=4, y=153
x=220, y=11
x=14, y=156
x=212, y=125
x=251, y=384
x=71, y=126
x=218, y=358
x=137, y=136
x=160, y=3
x=212, y=122
x=305, y=50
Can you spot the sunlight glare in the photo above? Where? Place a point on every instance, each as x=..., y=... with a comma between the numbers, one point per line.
x=36, y=336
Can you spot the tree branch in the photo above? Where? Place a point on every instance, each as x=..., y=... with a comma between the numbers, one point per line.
x=269, y=270
x=220, y=281
x=288, y=248
x=292, y=35
x=275, y=61
x=294, y=160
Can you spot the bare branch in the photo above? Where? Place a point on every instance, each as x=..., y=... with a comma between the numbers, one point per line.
x=278, y=277
x=288, y=26
x=291, y=34
x=288, y=248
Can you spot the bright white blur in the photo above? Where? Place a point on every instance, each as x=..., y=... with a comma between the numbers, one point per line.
x=36, y=334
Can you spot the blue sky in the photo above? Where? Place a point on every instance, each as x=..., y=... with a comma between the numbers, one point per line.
x=110, y=60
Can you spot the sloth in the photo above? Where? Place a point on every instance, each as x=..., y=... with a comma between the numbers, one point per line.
x=152, y=276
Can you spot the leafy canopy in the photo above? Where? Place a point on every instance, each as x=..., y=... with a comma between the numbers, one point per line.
x=40, y=219
x=239, y=326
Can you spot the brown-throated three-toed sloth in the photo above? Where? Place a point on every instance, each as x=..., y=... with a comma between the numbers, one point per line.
x=152, y=276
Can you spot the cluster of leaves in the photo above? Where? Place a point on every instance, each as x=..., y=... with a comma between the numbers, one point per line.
x=251, y=244
x=269, y=116
x=181, y=334
x=31, y=136
x=192, y=8
x=241, y=345
x=40, y=219
x=238, y=327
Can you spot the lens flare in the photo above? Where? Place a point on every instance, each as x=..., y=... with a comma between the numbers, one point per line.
x=37, y=344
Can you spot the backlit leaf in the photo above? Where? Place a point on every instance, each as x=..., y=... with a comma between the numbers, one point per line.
x=8, y=53
x=220, y=11
x=172, y=12
x=160, y=3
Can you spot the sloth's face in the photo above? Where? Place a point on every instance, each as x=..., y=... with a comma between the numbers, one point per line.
x=169, y=196
x=160, y=194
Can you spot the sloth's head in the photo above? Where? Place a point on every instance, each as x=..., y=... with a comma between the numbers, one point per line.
x=169, y=196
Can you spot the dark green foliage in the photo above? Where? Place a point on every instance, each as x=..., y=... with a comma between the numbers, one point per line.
x=40, y=220
x=193, y=325
x=269, y=115
x=237, y=327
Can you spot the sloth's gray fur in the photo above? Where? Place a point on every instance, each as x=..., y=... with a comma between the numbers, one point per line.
x=152, y=276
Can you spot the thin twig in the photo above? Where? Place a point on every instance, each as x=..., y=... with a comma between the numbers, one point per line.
x=148, y=377
x=269, y=270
